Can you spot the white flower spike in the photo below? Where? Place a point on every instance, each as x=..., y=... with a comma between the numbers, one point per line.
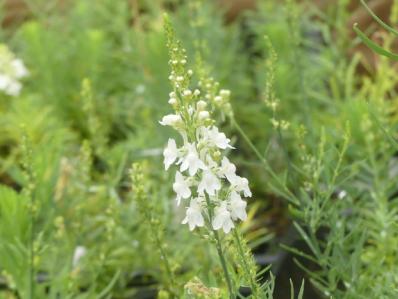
x=205, y=174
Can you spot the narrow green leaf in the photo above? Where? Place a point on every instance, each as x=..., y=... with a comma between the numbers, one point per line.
x=372, y=45
x=109, y=286
x=301, y=292
x=378, y=20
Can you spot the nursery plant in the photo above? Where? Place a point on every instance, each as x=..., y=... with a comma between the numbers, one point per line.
x=153, y=149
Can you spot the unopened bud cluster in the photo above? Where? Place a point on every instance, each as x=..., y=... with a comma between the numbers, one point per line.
x=219, y=98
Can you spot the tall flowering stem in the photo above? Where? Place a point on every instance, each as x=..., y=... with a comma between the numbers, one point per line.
x=206, y=182
x=28, y=191
x=155, y=227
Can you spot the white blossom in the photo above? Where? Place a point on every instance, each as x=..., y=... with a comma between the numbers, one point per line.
x=181, y=187
x=12, y=69
x=171, y=120
x=228, y=170
x=19, y=68
x=237, y=206
x=191, y=161
x=13, y=88
x=222, y=218
x=241, y=185
x=170, y=153
x=209, y=183
x=4, y=81
x=218, y=138
x=80, y=252
x=194, y=216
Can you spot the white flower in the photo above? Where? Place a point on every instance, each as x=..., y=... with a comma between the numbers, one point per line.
x=13, y=88
x=209, y=183
x=171, y=120
x=11, y=70
x=342, y=194
x=181, y=187
x=80, y=251
x=191, y=160
x=218, y=138
x=241, y=185
x=222, y=218
x=237, y=206
x=19, y=68
x=170, y=153
x=4, y=81
x=228, y=170
x=194, y=216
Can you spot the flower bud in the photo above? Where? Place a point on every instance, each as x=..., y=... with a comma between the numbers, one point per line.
x=190, y=72
x=225, y=92
x=203, y=115
x=201, y=105
x=187, y=93
x=196, y=92
x=172, y=101
x=218, y=99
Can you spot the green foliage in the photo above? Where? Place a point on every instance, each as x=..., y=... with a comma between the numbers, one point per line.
x=316, y=139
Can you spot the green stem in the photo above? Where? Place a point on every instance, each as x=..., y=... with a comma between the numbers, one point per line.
x=165, y=261
x=223, y=263
x=267, y=167
x=253, y=284
x=159, y=245
x=220, y=251
x=31, y=252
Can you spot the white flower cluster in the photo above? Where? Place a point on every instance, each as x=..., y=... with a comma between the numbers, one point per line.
x=12, y=70
x=206, y=179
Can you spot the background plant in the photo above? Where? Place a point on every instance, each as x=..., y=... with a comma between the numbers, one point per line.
x=323, y=183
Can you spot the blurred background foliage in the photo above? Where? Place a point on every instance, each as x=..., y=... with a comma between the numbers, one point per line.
x=90, y=107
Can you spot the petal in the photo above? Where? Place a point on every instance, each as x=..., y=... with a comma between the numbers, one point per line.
x=217, y=222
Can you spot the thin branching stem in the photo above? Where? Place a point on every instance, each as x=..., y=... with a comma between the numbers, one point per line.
x=223, y=263
x=31, y=250
x=267, y=167
x=238, y=242
x=220, y=251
